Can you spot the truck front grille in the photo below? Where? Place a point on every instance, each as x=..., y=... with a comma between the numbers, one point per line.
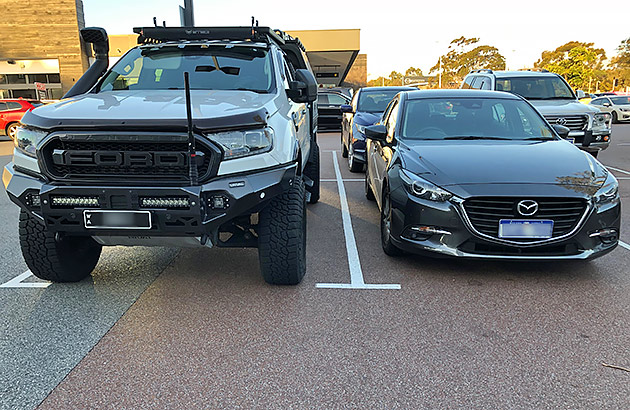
x=485, y=213
x=126, y=158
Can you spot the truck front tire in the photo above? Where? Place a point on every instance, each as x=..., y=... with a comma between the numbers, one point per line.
x=282, y=237
x=56, y=258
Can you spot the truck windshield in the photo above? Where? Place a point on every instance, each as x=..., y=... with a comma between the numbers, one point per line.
x=210, y=68
x=536, y=88
x=472, y=119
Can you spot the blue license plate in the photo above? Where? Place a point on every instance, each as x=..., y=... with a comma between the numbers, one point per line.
x=525, y=228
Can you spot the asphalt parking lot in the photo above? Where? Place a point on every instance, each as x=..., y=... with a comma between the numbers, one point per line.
x=196, y=328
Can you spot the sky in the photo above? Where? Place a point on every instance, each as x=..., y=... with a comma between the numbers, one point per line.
x=398, y=34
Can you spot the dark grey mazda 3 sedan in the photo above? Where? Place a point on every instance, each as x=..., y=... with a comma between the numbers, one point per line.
x=481, y=174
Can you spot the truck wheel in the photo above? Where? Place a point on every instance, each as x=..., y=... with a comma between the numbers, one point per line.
x=53, y=257
x=282, y=237
x=312, y=172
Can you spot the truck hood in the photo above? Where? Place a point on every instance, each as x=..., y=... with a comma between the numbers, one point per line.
x=563, y=107
x=211, y=109
x=488, y=168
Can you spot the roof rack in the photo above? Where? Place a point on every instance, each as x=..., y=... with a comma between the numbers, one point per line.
x=154, y=35
x=539, y=70
x=482, y=70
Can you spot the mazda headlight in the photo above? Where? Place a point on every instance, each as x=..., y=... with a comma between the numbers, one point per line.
x=624, y=109
x=238, y=144
x=608, y=192
x=601, y=121
x=423, y=188
x=27, y=139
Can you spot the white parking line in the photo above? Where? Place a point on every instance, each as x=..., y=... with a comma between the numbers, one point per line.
x=17, y=282
x=356, y=274
x=624, y=245
x=618, y=170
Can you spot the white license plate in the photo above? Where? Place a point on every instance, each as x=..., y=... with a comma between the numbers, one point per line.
x=525, y=228
x=117, y=219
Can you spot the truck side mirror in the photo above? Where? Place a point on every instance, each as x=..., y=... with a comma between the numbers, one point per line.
x=304, y=88
x=346, y=108
x=580, y=94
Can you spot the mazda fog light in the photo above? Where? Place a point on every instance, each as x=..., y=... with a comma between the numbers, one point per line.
x=422, y=188
x=27, y=139
x=601, y=121
x=238, y=144
x=608, y=192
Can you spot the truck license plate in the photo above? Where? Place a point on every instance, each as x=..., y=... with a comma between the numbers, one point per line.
x=117, y=219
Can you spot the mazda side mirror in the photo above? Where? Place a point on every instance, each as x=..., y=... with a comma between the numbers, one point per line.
x=376, y=132
x=580, y=94
x=561, y=130
x=347, y=108
x=607, y=104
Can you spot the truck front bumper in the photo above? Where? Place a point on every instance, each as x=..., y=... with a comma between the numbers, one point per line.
x=194, y=211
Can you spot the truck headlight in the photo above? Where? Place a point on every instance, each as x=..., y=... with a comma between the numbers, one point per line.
x=27, y=139
x=423, y=188
x=601, y=121
x=238, y=144
x=608, y=192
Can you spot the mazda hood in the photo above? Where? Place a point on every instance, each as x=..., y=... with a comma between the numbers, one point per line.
x=468, y=168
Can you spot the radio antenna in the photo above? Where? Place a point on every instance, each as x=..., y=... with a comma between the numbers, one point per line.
x=192, y=151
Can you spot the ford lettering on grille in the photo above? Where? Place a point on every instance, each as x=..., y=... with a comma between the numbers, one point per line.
x=117, y=158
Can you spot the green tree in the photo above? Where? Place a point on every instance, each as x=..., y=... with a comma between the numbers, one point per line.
x=464, y=54
x=579, y=63
x=620, y=67
x=413, y=71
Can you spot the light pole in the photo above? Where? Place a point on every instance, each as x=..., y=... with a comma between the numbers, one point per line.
x=440, y=72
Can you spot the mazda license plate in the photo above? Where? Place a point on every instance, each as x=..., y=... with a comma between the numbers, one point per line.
x=117, y=219
x=525, y=228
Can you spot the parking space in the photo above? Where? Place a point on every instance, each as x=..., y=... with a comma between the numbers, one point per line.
x=198, y=328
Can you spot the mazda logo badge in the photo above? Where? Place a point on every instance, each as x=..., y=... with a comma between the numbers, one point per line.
x=561, y=121
x=527, y=207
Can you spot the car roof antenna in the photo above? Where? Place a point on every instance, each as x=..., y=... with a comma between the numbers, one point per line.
x=192, y=151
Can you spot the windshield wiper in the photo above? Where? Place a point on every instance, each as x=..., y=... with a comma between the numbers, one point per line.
x=252, y=90
x=538, y=139
x=474, y=137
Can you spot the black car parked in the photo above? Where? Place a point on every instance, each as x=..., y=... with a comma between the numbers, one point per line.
x=367, y=107
x=329, y=109
x=482, y=174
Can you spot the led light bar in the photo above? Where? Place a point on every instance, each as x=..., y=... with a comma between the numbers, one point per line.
x=75, y=201
x=158, y=202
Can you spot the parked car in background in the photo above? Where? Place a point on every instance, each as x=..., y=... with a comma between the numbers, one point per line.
x=366, y=109
x=12, y=111
x=554, y=99
x=329, y=109
x=492, y=179
x=617, y=105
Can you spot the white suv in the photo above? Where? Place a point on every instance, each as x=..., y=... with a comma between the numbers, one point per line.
x=589, y=128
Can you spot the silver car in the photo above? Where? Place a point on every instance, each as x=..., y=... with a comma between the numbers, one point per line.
x=618, y=106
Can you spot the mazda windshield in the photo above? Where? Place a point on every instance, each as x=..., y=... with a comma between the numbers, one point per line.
x=536, y=88
x=472, y=118
x=219, y=67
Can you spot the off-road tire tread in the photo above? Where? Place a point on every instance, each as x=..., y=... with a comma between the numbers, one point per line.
x=42, y=256
x=282, y=237
x=312, y=170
